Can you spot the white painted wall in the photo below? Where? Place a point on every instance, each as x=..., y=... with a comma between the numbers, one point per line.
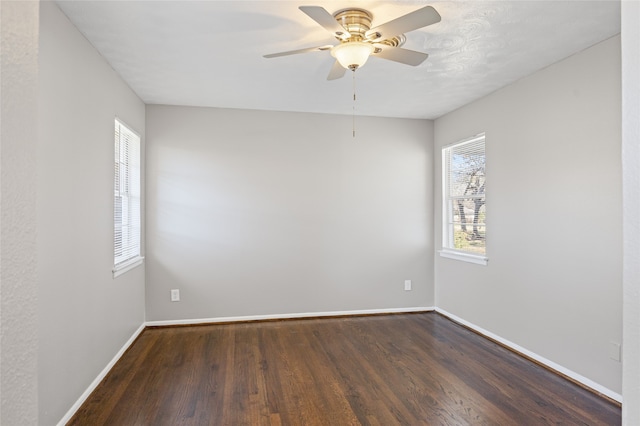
x=631, y=202
x=554, y=281
x=18, y=280
x=258, y=213
x=85, y=315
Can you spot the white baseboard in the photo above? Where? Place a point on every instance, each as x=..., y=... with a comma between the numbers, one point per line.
x=287, y=316
x=101, y=376
x=550, y=364
x=135, y=335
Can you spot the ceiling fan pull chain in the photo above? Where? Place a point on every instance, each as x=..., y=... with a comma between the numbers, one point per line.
x=353, y=113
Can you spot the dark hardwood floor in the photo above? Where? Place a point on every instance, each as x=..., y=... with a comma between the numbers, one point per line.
x=409, y=369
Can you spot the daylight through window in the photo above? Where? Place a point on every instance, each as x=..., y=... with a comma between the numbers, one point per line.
x=126, y=197
x=464, y=227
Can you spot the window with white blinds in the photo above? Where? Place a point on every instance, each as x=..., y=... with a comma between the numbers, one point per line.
x=464, y=213
x=126, y=198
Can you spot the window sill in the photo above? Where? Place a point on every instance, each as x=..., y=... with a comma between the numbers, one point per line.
x=127, y=266
x=465, y=257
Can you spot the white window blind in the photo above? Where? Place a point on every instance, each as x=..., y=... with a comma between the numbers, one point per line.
x=126, y=197
x=464, y=212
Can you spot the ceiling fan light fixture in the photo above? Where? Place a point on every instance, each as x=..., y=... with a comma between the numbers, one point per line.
x=352, y=55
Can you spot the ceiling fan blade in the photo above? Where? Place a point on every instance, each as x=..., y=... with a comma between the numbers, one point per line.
x=404, y=56
x=326, y=20
x=409, y=22
x=295, y=52
x=337, y=71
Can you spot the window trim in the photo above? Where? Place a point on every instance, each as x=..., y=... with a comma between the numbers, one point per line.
x=464, y=256
x=127, y=266
x=445, y=251
x=138, y=259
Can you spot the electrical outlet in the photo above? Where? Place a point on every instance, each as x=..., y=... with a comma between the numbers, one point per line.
x=614, y=351
x=407, y=285
x=175, y=295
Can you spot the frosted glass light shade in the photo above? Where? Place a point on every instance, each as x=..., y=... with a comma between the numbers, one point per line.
x=353, y=54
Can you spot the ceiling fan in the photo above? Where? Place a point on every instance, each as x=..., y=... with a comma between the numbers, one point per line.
x=352, y=28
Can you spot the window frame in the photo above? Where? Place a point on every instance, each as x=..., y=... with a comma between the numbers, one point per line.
x=133, y=180
x=447, y=250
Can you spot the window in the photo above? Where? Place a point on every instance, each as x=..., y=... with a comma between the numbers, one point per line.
x=464, y=214
x=126, y=200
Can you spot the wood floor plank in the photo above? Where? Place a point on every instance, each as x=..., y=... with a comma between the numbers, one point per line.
x=408, y=369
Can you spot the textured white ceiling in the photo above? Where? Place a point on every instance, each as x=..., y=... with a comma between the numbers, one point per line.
x=209, y=53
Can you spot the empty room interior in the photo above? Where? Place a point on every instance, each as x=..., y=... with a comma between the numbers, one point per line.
x=284, y=190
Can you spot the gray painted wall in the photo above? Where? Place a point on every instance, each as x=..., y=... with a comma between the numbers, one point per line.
x=631, y=175
x=76, y=297
x=18, y=275
x=257, y=213
x=85, y=315
x=554, y=238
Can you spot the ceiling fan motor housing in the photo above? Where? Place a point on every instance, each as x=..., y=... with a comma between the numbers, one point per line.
x=356, y=21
